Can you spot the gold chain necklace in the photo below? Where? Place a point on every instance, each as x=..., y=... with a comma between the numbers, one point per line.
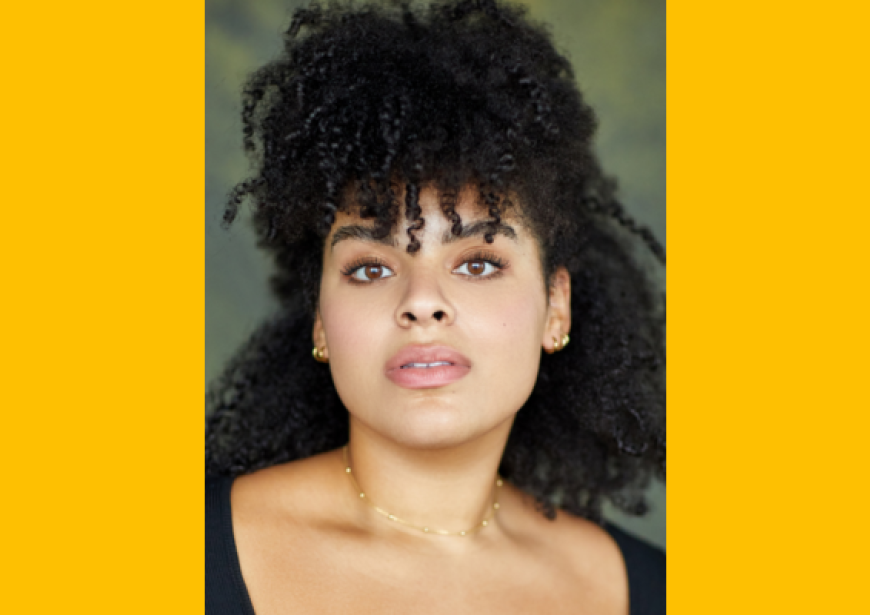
x=427, y=530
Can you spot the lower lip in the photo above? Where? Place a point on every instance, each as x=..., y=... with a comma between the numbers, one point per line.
x=427, y=377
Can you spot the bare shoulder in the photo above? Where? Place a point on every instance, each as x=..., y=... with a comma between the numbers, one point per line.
x=590, y=547
x=289, y=490
x=578, y=545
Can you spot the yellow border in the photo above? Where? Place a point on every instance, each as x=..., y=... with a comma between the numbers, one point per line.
x=102, y=252
x=768, y=308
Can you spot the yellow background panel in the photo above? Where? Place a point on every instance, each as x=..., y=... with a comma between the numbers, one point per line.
x=101, y=431
x=768, y=335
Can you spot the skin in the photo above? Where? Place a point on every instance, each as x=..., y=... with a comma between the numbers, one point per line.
x=308, y=543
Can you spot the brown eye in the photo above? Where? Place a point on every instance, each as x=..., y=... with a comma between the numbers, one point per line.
x=476, y=267
x=370, y=273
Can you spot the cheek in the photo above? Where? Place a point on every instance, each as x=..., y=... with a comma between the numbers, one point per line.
x=349, y=326
x=509, y=334
x=354, y=330
x=511, y=317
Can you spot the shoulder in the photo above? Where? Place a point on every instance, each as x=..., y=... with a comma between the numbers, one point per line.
x=622, y=569
x=246, y=517
x=577, y=548
x=636, y=568
x=297, y=491
x=579, y=542
x=594, y=554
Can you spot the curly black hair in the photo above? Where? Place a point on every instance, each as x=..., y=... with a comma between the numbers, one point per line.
x=367, y=105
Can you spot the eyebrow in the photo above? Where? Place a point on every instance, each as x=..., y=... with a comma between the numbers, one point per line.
x=367, y=233
x=363, y=233
x=480, y=229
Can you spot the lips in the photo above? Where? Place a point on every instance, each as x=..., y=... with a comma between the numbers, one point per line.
x=426, y=367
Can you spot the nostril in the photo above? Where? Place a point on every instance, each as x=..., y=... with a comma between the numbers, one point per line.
x=409, y=317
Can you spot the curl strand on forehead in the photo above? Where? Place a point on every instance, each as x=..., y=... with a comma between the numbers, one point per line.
x=361, y=199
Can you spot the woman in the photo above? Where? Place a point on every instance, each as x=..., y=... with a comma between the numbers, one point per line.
x=426, y=184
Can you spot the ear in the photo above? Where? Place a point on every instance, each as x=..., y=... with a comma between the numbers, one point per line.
x=318, y=336
x=558, y=310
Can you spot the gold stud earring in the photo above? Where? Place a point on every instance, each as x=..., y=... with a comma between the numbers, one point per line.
x=319, y=355
x=554, y=348
x=558, y=344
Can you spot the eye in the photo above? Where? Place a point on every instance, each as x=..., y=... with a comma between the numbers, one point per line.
x=477, y=268
x=370, y=272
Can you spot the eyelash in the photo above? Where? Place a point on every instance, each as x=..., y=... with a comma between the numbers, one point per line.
x=487, y=257
x=352, y=267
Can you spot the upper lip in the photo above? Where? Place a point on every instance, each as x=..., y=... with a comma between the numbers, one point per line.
x=426, y=354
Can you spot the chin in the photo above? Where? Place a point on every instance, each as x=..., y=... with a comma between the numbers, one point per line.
x=435, y=427
x=429, y=438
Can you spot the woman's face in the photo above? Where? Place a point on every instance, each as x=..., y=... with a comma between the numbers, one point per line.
x=435, y=348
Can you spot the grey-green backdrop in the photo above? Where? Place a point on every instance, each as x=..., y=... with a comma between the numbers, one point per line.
x=618, y=51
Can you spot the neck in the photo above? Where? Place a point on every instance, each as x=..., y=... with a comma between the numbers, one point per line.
x=446, y=490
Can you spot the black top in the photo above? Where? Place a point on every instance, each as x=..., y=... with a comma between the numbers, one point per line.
x=226, y=593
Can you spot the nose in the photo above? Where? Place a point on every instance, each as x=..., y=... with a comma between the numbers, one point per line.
x=424, y=303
